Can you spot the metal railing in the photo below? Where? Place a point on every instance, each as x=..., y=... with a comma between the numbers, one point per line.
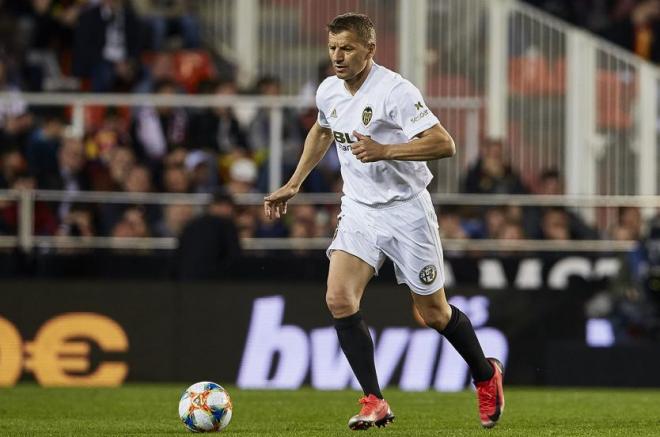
x=274, y=104
x=556, y=94
x=27, y=241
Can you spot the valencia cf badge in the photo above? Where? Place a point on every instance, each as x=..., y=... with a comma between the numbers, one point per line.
x=427, y=274
x=366, y=115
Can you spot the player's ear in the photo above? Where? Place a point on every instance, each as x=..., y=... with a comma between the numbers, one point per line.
x=372, y=49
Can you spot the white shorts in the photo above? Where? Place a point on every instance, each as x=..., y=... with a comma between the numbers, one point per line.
x=405, y=231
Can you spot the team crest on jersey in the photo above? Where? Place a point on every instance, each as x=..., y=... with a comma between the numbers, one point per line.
x=366, y=115
x=427, y=274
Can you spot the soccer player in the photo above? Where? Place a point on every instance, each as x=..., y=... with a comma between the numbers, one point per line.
x=384, y=134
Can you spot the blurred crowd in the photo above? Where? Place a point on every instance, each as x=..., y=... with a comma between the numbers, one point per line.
x=139, y=46
x=145, y=46
x=632, y=24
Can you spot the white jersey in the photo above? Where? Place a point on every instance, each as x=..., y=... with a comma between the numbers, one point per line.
x=390, y=110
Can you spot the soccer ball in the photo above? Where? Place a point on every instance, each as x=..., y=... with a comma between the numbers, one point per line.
x=205, y=407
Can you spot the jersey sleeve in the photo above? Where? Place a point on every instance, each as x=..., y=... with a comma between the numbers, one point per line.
x=408, y=110
x=322, y=119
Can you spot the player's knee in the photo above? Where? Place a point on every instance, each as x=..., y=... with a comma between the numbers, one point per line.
x=340, y=302
x=436, y=317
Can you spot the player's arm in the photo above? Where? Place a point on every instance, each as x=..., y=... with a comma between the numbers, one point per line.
x=432, y=143
x=317, y=142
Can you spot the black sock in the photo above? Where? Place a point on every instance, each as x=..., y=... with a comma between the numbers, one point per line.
x=460, y=333
x=355, y=340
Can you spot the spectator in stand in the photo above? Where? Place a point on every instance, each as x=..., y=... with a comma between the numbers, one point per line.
x=636, y=291
x=632, y=24
x=69, y=174
x=259, y=134
x=15, y=120
x=136, y=180
x=161, y=69
x=109, y=172
x=242, y=176
x=322, y=223
x=12, y=39
x=246, y=221
x=44, y=142
x=621, y=233
x=175, y=158
x=511, y=230
x=175, y=218
x=79, y=222
x=304, y=217
x=45, y=222
x=555, y=224
x=223, y=205
x=156, y=131
x=635, y=25
x=550, y=184
x=218, y=128
x=299, y=230
x=492, y=174
x=494, y=221
x=168, y=17
x=107, y=45
x=12, y=164
x=208, y=245
x=175, y=180
x=202, y=170
x=133, y=224
x=630, y=219
x=50, y=25
x=450, y=226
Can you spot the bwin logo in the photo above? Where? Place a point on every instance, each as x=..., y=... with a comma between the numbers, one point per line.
x=317, y=354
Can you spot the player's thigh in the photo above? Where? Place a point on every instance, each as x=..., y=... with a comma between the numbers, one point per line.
x=433, y=308
x=348, y=276
x=414, y=246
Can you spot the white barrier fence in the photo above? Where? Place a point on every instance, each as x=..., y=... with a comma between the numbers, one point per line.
x=558, y=96
x=26, y=240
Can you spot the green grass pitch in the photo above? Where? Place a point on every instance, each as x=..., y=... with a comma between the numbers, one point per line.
x=151, y=410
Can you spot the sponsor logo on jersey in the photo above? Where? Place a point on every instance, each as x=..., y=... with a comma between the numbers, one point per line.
x=427, y=274
x=343, y=140
x=418, y=106
x=333, y=114
x=366, y=115
x=419, y=116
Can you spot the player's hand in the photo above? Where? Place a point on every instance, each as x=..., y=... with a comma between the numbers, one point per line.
x=275, y=203
x=366, y=149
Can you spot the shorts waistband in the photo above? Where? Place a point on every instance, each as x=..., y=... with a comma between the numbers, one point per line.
x=388, y=205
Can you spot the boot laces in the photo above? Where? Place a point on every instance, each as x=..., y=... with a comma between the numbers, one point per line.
x=487, y=396
x=369, y=404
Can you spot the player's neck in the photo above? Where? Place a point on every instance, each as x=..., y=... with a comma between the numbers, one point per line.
x=354, y=84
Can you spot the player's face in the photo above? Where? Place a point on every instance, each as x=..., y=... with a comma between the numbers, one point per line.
x=349, y=54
